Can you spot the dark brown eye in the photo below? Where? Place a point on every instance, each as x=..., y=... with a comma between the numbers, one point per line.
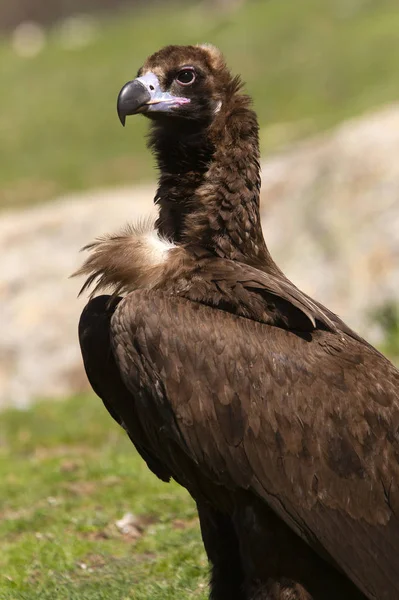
x=186, y=76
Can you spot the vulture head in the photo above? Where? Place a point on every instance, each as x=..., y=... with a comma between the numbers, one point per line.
x=179, y=82
x=204, y=135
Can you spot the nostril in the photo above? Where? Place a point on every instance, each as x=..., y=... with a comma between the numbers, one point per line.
x=152, y=88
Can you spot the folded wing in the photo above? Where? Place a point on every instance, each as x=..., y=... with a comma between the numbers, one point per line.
x=309, y=422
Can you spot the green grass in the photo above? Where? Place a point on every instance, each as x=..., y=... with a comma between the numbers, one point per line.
x=68, y=473
x=308, y=65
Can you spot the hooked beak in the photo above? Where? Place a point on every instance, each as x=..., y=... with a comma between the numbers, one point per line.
x=144, y=94
x=132, y=97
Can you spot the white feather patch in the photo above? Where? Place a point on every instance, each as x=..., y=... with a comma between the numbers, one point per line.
x=218, y=107
x=126, y=261
x=156, y=246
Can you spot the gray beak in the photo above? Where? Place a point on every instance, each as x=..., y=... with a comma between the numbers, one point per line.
x=133, y=96
x=145, y=95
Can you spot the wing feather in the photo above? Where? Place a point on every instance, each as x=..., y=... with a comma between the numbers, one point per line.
x=310, y=425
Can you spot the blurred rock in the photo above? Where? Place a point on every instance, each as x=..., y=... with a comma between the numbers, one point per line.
x=39, y=351
x=331, y=219
x=331, y=216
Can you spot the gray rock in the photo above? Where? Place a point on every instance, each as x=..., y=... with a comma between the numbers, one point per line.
x=39, y=351
x=331, y=216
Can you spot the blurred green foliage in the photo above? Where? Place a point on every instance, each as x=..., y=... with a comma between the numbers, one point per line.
x=387, y=317
x=308, y=64
x=68, y=474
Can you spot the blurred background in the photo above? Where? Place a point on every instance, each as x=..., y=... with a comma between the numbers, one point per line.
x=324, y=77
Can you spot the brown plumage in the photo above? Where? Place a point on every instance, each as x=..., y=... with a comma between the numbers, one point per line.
x=280, y=421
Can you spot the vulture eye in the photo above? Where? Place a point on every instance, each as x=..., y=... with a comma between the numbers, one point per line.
x=186, y=76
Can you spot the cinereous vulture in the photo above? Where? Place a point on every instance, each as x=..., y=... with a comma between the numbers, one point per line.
x=280, y=421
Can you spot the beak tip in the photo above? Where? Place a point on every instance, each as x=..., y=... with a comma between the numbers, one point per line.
x=131, y=98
